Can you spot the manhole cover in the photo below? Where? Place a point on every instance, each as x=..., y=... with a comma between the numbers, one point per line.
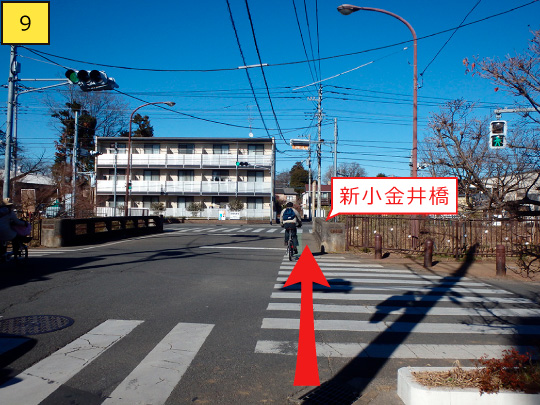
x=34, y=324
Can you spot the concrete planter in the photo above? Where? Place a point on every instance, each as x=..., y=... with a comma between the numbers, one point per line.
x=413, y=393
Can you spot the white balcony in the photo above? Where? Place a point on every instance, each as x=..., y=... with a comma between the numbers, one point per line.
x=185, y=187
x=176, y=160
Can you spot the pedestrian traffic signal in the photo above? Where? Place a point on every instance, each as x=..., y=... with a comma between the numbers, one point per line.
x=93, y=80
x=242, y=163
x=497, y=134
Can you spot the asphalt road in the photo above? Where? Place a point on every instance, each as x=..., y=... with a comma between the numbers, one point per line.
x=198, y=315
x=210, y=278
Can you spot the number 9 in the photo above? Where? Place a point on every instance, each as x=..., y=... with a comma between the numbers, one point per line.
x=25, y=23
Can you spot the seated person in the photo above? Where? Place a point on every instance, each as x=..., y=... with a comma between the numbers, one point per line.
x=8, y=218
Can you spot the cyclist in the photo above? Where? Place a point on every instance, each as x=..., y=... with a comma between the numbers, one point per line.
x=8, y=219
x=290, y=220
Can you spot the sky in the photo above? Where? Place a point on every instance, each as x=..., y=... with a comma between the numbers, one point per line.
x=134, y=41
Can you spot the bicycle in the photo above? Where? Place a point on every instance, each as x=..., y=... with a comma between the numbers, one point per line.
x=9, y=254
x=290, y=246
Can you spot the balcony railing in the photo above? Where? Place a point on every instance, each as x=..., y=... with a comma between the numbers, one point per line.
x=176, y=160
x=208, y=213
x=185, y=187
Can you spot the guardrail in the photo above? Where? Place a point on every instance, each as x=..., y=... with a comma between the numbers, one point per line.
x=82, y=231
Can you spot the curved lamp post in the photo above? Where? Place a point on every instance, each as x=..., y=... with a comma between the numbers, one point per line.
x=347, y=9
x=128, y=168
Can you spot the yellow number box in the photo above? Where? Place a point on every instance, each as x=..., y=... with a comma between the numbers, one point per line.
x=25, y=23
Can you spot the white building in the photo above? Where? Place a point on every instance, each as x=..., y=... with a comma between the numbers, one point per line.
x=178, y=172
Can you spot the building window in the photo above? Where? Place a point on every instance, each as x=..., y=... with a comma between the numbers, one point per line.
x=119, y=201
x=254, y=203
x=220, y=175
x=256, y=149
x=151, y=148
x=221, y=149
x=183, y=202
x=151, y=175
x=186, y=148
x=220, y=201
x=122, y=148
x=256, y=176
x=186, y=175
x=120, y=174
x=148, y=200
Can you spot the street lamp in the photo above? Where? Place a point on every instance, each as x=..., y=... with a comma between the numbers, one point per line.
x=128, y=168
x=347, y=9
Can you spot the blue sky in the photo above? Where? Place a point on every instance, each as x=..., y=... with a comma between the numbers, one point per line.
x=373, y=104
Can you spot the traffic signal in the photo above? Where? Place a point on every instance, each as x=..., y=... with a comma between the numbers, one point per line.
x=242, y=163
x=93, y=80
x=497, y=134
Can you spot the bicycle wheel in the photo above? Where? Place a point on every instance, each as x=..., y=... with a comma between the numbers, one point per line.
x=290, y=250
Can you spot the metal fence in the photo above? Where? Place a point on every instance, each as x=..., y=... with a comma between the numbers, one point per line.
x=453, y=237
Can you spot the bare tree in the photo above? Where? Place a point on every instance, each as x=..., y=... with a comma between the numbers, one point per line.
x=351, y=169
x=458, y=147
x=518, y=75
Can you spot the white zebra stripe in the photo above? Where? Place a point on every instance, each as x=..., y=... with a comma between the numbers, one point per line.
x=39, y=381
x=403, y=297
x=444, y=290
x=401, y=351
x=402, y=327
x=160, y=371
x=435, y=311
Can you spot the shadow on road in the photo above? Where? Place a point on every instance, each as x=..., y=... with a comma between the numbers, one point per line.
x=351, y=381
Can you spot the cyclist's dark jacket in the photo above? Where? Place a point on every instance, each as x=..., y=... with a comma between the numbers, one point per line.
x=7, y=219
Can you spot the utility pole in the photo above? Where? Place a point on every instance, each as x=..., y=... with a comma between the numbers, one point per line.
x=335, y=147
x=115, y=174
x=273, y=181
x=319, y=144
x=12, y=94
x=309, y=193
x=74, y=162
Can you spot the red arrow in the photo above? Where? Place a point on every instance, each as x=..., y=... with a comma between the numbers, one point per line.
x=306, y=271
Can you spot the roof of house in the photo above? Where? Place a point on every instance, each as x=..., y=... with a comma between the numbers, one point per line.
x=183, y=139
x=325, y=188
x=35, y=178
x=285, y=190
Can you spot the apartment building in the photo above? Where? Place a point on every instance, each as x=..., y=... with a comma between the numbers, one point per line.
x=180, y=171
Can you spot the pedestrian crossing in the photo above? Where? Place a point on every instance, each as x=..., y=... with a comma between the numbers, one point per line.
x=235, y=230
x=151, y=382
x=368, y=307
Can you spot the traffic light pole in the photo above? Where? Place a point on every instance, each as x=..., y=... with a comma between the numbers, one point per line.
x=74, y=163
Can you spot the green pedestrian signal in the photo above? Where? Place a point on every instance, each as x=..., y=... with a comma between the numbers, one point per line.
x=497, y=134
x=497, y=141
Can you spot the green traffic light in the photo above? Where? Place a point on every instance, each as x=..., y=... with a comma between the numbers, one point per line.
x=72, y=76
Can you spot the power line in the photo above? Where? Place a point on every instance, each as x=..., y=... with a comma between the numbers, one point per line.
x=247, y=70
x=262, y=70
x=41, y=53
x=302, y=38
x=448, y=40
